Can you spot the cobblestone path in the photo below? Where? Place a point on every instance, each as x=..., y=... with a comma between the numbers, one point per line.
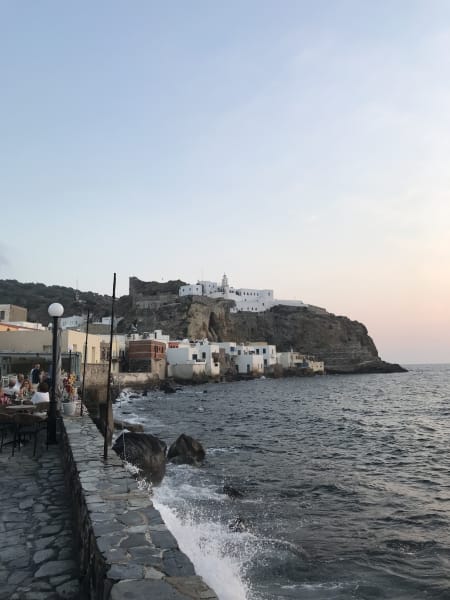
x=37, y=557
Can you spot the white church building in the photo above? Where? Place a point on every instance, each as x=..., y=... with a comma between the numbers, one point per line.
x=245, y=299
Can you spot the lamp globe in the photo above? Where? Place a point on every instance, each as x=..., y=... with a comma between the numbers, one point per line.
x=56, y=309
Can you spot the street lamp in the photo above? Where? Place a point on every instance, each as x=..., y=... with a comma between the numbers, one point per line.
x=55, y=311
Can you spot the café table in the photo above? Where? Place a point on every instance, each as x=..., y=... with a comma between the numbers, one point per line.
x=18, y=408
x=27, y=420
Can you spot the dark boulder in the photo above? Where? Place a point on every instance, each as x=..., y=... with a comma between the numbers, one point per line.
x=232, y=492
x=145, y=451
x=167, y=387
x=237, y=525
x=186, y=451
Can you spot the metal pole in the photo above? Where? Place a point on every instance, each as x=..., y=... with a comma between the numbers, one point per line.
x=108, y=388
x=51, y=434
x=84, y=363
x=70, y=361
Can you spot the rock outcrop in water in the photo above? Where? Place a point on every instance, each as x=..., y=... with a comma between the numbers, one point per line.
x=145, y=451
x=186, y=451
x=344, y=345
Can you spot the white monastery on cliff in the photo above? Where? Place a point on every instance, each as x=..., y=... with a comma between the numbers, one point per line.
x=245, y=299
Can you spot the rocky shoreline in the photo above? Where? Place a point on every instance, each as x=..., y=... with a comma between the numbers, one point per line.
x=380, y=366
x=172, y=385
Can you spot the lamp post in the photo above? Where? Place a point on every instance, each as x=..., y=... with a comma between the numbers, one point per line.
x=55, y=311
x=70, y=361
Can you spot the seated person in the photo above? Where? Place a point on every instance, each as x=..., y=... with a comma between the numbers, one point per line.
x=3, y=399
x=19, y=382
x=41, y=395
x=11, y=389
x=25, y=389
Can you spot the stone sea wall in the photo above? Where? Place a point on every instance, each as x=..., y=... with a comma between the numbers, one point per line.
x=126, y=550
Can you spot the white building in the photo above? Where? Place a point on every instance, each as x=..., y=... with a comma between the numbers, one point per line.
x=245, y=299
x=73, y=322
x=25, y=325
x=318, y=366
x=247, y=362
x=249, y=359
x=157, y=335
x=268, y=353
x=183, y=362
x=191, y=290
x=209, y=352
x=199, y=357
x=291, y=360
x=295, y=360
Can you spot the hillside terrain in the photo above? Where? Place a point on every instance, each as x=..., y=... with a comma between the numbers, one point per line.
x=36, y=297
x=344, y=345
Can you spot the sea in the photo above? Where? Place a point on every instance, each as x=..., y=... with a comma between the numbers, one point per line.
x=314, y=488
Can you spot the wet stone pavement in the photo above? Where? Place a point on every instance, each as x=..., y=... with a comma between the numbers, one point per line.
x=37, y=556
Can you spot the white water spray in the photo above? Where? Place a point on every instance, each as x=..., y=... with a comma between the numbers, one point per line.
x=218, y=554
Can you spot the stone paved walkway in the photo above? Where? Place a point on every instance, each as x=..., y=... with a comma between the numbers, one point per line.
x=37, y=557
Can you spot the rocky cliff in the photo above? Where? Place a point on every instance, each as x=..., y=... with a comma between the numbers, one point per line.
x=343, y=345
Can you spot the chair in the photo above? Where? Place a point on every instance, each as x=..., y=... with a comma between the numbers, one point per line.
x=28, y=425
x=6, y=424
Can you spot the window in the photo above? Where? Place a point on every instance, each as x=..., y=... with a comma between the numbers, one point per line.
x=2, y=315
x=194, y=357
x=203, y=355
x=264, y=350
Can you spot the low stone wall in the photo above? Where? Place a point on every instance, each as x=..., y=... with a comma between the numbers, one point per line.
x=126, y=550
x=137, y=380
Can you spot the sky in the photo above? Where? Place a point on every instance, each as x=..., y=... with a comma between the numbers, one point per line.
x=300, y=146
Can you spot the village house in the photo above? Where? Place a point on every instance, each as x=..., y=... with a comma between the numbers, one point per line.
x=12, y=313
x=295, y=360
x=13, y=318
x=183, y=361
x=20, y=349
x=247, y=359
x=148, y=356
x=187, y=360
x=73, y=322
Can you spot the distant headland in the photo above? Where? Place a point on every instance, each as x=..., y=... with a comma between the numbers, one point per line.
x=342, y=344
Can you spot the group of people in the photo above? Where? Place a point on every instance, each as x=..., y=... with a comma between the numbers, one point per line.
x=33, y=389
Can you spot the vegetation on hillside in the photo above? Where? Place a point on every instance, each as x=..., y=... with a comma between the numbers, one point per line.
x=36, y=297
